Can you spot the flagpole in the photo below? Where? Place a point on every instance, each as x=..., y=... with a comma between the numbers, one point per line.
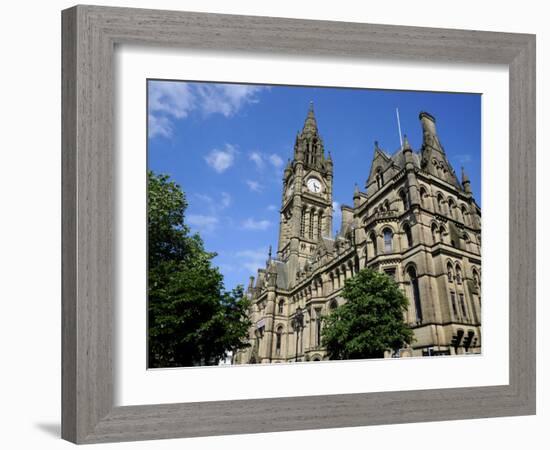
x=399, y=128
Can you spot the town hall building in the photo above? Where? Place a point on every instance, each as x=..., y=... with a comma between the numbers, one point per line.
x=415, y=221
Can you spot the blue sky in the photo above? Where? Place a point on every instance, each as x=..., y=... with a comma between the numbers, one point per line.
x=227, y=145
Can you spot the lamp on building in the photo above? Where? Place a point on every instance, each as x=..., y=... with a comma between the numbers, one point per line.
x=298, y=325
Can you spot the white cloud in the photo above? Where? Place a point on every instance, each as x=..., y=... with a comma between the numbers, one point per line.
x=221, y=160
x=261, y=159
x=159, y=126
x=276, y=161
x=202, y=223
x=226, y=99
x=256, y=225
x=463, y=158
x=252, y=260
x=214, y=205
x=257, y=159
x=225, y=200
x=173, y=100
x=254, y=186
x=272, y=208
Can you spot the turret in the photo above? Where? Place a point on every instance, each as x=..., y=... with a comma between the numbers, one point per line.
x=466, y=182
x=429, y=132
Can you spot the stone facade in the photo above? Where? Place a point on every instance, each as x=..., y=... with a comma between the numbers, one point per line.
x=415, y=221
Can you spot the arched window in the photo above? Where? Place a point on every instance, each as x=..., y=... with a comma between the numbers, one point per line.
x=388, y=240
x=434, y=234
x=477, y=281
x=450, y=274
x=303, y=223
x=408, y=234
x=373, y=240
x=465, y=217
x=404, y=195
x=458, y=275
x=333, y=305
x=452, y=209
x=466, y=240
x=278, y=340
x=423, y=196
x=281, y=306
x=318, y=325
x=442, y=233
x=463, y=306
x=312, y=217
x=440, y=206
x=411, y=272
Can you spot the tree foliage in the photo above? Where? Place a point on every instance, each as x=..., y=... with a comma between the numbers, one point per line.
x=371, y=320
x=192, y=319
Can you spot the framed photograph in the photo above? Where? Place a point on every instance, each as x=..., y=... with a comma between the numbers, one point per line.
x=277, y=224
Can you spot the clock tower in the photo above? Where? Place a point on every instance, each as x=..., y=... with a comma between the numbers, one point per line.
x=306, y=211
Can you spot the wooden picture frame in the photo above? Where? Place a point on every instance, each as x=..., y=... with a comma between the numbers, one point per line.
x=90, y=34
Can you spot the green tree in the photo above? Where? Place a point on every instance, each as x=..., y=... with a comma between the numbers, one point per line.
x=192, y=320
x=370, y=321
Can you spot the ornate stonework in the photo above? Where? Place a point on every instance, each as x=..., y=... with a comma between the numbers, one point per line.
x=415, y=221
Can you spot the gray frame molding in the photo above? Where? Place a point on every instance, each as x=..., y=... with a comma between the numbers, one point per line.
x=89, y=37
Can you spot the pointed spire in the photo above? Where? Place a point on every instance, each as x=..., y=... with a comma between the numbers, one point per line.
x=376, y=146
x=466, y=181
x=465, y=178
x=310, y=125
x=269, y=254
x=406, y=145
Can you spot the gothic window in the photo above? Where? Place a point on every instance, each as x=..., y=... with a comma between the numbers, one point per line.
x=453, y=304
x=318, y=326
x=373, y=240
x=452, y=209
x=411, y=271
x=388, y=240
x=404, y=195
x=408, y=234
x=303, y=224
x=423, y=196
x=475, y=276
x=434, y=233
x=465, y=217
x=466, y=239
x=450, y=275
x=320, y=225
x=458, y=275
x=442, y=233
x=462, y=305
x=440, y=206
x=278, y=340
x=281, y=306
x=312, y=217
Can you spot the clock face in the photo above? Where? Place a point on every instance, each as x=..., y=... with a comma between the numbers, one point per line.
x=314, y=185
